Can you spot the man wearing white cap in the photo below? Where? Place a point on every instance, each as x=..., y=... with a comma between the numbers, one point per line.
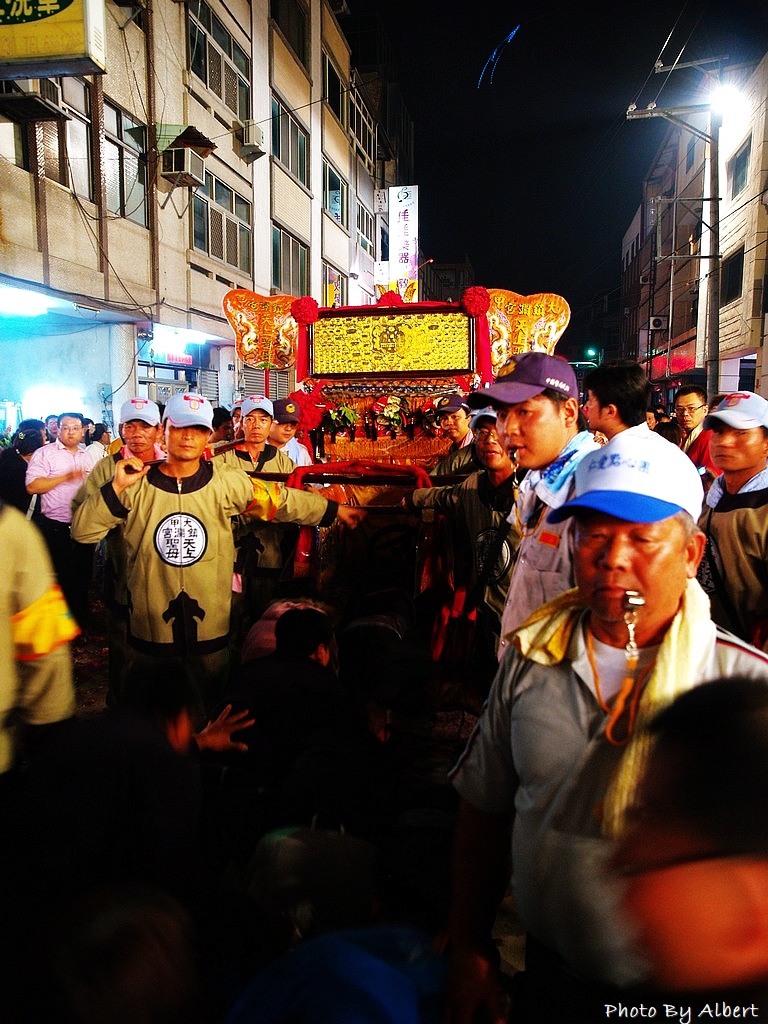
x=561, y=744
x=734, y=570
x=138, y=427
x=176, y=521
x=260, y=554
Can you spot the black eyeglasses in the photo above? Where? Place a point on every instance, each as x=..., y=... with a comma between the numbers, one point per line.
x=681, y=410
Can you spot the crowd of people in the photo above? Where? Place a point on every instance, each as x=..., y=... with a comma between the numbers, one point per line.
x=292, y=810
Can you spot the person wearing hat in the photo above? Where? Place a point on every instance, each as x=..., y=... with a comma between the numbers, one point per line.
x=452, y=416
x=478, y=509
x=261, y=546
x=694, y=857
x=561, y=745
x=734, y=570
x=138, y=431
x=537, y=409
x=176, y=519
x=254, y=453
x=283, y=432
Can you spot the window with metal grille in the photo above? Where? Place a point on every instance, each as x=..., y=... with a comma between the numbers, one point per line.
x=290, y=143
x=335, y=191
x=221, y=224
x=125, y=166
x=218, y=60
x=290, y=259
x=365, y=229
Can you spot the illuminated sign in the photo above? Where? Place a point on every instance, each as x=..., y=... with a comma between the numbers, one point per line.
x=392, y=343
x=404, y=241
x=43, y=38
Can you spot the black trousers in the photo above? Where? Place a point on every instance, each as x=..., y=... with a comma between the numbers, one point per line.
x=73, y=565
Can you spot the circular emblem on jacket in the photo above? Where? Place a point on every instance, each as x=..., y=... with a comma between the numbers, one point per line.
x=180, y=539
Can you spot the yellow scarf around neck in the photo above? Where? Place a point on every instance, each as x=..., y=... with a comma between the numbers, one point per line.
x=545, y=638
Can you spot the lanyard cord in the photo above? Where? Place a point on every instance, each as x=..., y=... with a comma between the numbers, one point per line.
x=631, y=688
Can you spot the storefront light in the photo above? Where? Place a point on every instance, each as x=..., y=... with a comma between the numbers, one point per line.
x=24, y=302
x=46, y=399
x=176, y=339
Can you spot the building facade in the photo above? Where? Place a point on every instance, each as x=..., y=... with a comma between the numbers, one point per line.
x=228, y=146
x=666, y=253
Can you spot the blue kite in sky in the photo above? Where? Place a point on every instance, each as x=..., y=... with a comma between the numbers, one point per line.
x=493, y=60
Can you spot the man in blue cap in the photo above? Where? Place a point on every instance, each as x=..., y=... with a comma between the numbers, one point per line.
x=453, y=417
x=537, y=416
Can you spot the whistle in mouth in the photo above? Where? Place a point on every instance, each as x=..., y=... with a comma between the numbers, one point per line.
x=633, y=600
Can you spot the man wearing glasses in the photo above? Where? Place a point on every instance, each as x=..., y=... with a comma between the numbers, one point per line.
x=690, y=410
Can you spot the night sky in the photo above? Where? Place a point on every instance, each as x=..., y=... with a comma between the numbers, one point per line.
x=536, y=176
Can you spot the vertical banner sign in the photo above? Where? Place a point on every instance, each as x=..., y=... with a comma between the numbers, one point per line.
x=404, y=241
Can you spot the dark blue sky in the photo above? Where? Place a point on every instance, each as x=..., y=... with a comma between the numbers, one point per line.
x=536, y=176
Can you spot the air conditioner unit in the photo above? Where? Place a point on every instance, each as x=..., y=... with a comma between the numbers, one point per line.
x=253, y=141
x=183, y=167
x=31, y=99
x=253, y=134
x=645, y=278
x=658, y=323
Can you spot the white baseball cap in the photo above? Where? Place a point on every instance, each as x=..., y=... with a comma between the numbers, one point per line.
x=742, y=410
x=638, y=477
x=254, y=402
x=188, y=410
x=140, y=409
